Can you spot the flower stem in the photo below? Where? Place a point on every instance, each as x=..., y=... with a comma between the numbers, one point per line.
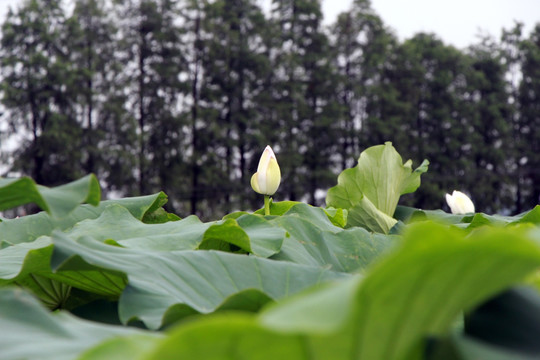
x=266, y=204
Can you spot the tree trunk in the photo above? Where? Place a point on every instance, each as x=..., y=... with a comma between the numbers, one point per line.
x=195, y=171
x=142, y=142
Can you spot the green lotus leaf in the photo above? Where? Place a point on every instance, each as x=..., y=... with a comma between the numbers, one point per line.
x=415, y=292
x=19, y=260
x=251, y=233
x=371, y=190
x=228, y=336
x=29, y=331
x=202, y=280
x=30, y=227
x=58, y=201
x=28, y=265
x=468, y=221
x=133, y=347
x=314, y=240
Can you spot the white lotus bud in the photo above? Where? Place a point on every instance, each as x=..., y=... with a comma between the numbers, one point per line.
x=459, y=203
x=268, y=176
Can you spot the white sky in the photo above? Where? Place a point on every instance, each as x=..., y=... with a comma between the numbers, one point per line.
x=457, y=22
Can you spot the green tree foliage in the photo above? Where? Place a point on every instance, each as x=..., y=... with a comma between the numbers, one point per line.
x=427, y=80
x=529, y=103
x=520, y=55
x=510, y=45
x=183, y=95
x=100, y=96
x=153, y=63
x=361, y=45
x=37, y=77
x=448, y=106
x=485, y=98
x=192, y=48
x=234, y=65
x=304, y=96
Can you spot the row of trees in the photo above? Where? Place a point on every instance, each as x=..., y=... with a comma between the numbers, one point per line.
x=183, y=95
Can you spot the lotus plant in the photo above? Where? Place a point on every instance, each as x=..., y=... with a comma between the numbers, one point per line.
x=459, y=203
x=267, y=178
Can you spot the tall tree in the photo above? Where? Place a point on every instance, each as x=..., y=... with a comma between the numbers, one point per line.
x=529, y=103
x=37, y=77
x=362, y=46
x=154, y=63
x=305, y=108
x=92, y=38
x=193, y=47
x=234, y=65
x=426, y=82
x=486, y=98
x=511, y=40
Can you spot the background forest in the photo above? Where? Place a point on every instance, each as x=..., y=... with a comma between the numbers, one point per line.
x=183, y=96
